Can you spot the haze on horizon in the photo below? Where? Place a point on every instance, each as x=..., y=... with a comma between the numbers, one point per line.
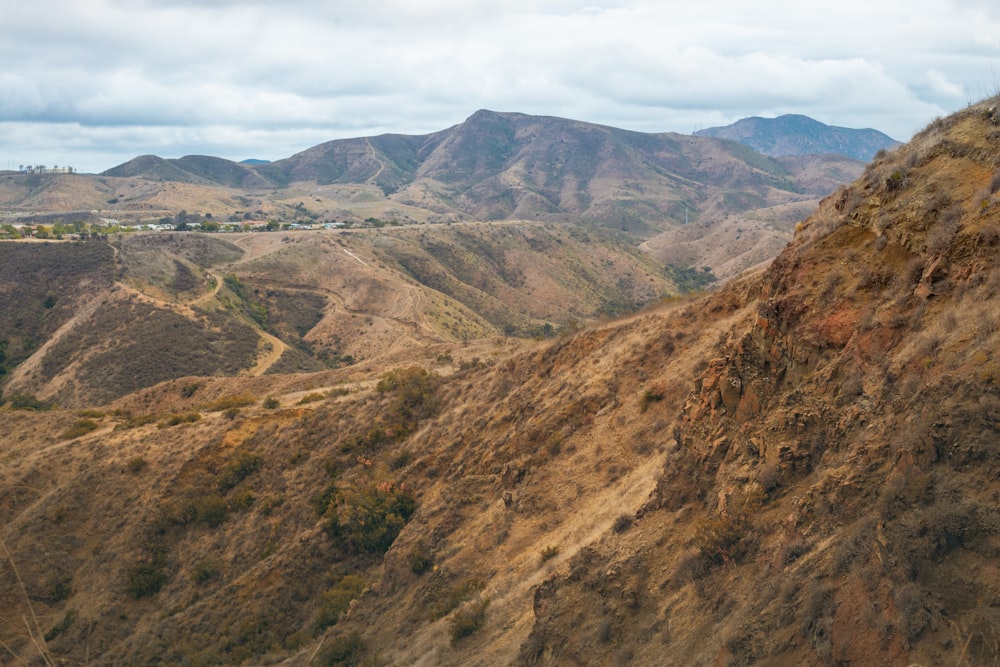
x=93, y=83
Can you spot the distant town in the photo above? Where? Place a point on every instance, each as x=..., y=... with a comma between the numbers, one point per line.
x=62, y=227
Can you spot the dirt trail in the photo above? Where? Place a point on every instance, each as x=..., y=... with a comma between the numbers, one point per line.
x=208, y=295
x=278, y=348
x=381, y=166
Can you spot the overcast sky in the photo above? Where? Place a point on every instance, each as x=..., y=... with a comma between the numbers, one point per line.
x=92, y=83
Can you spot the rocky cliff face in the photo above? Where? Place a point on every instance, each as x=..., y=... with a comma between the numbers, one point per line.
x=831, y=496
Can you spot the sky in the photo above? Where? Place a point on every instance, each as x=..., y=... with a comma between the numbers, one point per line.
x=93, y=83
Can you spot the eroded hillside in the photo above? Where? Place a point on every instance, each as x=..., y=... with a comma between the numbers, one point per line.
x=798, y=469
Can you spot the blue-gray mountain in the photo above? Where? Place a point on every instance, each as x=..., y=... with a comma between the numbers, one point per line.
x=794, y=134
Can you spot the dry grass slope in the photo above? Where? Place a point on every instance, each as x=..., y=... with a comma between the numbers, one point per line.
x=797, y=469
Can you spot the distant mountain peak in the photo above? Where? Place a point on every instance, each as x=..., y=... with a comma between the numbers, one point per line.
x=796, y=134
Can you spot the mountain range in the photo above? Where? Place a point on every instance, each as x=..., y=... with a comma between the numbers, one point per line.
x=497, y=166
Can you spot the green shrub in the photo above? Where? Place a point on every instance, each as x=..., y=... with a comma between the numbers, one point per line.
x=337, y=601
x=28, y=402
x=344, y=650
x=654, y=393
x=311, y=398
x=467, y=621
x=367, y=520
x=456, y=596
x=242, y=501
x=60, y=589
x=895, y=180
x=188, y=390
x=210, y=509
x=401, y=460
x=414, y=389
x=62, y=626
x=146, y=578
x=419, y=562
x=177, y=419
x=229, y=402
x=204, y=571
x=237, y=469
x=78, y=428
x=271, y=403
x=549, y=552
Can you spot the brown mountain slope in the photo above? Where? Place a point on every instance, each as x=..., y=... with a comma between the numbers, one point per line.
x=798, y=469
x=497, y=166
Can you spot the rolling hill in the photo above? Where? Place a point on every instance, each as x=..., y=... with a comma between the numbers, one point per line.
x=85, y=322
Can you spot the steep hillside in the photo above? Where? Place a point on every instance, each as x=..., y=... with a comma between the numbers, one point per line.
x=830, y=491
x=794, y=134
x=798, y=469
x=37, y=284
x=76, y=336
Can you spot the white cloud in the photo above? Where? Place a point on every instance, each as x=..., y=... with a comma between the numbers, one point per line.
x=104, y=80
x=938, y=82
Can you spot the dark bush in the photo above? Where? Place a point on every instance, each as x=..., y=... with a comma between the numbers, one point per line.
x=188, y=390
x=343, y=650
x=78, y=428
x=337, y=601
x=414, y=388
x=237, y=469
x=204, y=571
x=28, y=402
x=146, y=579
x=367, y=520
x=467, y=621
x=622, y=523
x=210, y=509
x=549, y=552
x=419, y=562
x=62, y=626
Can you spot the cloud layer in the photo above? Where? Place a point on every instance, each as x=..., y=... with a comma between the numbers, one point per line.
x=95, y=82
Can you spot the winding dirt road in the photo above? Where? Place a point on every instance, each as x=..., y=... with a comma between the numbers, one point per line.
x=271, y=357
